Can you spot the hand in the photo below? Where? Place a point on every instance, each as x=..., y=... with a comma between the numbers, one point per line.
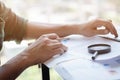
x=91, y=28
x=44, y=48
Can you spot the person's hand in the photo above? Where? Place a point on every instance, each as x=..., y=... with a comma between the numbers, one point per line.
x=44, y=48
x=91, y=28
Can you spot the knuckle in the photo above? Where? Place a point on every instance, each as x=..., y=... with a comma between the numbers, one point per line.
x=60, y=44
x=54, y=34
x=44, y=35
x=46, y=40
x=108, y=22
x=97, y=20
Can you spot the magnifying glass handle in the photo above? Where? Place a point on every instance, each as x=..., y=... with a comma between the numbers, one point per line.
x=94, y=55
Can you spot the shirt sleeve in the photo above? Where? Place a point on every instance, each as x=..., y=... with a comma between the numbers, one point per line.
x=15, y=26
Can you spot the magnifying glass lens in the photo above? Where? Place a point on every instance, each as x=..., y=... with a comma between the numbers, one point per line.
x=97, y=49
x=100, y=48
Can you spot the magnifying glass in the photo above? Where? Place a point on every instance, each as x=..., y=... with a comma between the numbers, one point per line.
x=97, y=49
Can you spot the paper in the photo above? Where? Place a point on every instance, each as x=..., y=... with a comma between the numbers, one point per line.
x=76, y=63
x=77, y=48
x=82, y=69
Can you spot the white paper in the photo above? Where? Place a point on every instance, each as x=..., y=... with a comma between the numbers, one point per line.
x=76, y=63
x=81, y=69
x=78, y=48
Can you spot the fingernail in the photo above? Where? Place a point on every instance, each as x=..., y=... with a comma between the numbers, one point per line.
x=116, y=36
x=65, y=50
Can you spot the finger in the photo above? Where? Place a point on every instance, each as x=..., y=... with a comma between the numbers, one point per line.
x=54, y=41
x=109, y=26
x=101, y=31
x=58, y=51
x=52, y=36
x=109, y=20
x=48, y=41
x=112, y=29
x=65, y=48
x=55, y=45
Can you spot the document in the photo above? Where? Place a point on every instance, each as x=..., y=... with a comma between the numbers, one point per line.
x=76, y=63
x=82, y=69
x=78, y=48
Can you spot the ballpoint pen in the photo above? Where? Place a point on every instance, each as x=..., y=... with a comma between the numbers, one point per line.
x=109, y=38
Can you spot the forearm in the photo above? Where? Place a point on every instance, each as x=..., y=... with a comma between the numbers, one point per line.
x=12, y=69
x=34, y=30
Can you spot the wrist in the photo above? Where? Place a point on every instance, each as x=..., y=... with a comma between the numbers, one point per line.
x=20, y=61
x=26, y=59
x=76, y=28
x=13, y=68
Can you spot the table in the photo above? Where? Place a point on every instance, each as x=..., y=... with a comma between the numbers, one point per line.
x=76, y=63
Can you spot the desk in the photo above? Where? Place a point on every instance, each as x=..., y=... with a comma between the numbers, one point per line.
x=76, y=63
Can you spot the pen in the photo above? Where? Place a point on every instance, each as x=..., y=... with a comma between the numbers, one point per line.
x=113, y=39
